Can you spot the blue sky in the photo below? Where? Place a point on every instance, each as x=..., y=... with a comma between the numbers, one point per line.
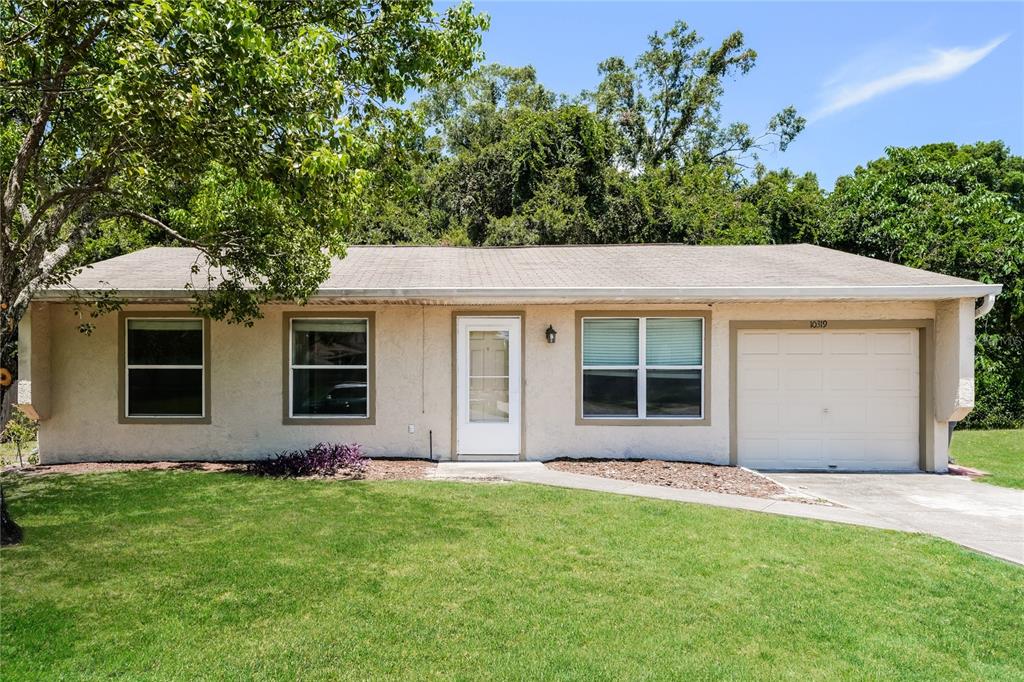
x=866, y=75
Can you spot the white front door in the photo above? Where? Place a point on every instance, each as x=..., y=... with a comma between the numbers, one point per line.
x=832, y=399
x=488, y=380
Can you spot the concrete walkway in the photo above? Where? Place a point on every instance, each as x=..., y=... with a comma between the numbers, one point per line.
x=983, y=517
x=859, y=515
x=536, y=472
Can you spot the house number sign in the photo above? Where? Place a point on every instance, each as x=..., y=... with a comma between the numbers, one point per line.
x=819, y=324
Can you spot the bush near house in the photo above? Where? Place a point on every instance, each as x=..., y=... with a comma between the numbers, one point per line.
x=18, y=435
x=323, y=459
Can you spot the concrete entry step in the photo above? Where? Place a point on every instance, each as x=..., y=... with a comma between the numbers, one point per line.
x=485, y=471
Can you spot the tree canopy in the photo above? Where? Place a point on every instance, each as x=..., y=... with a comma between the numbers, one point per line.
x=243, y=128
x=667, y=104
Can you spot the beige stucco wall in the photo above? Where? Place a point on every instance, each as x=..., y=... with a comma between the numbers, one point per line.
x=413, y=387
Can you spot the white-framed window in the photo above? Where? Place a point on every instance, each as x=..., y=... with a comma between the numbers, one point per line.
x=165, y=373
x=643, y=367
x=329, y=367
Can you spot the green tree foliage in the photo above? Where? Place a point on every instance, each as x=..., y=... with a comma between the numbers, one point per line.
x=790, y=208
x=696, y=204
x=958, y=210
x=20, y=430
x=243, y=128
x=510, y=164
x=667, y=104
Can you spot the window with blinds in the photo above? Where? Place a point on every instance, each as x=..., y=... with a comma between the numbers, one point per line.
x=643, y=367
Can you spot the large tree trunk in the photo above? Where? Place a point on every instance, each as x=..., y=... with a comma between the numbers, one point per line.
x=10, y=532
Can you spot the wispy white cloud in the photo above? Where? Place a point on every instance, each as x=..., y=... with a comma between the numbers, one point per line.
x=939, y=65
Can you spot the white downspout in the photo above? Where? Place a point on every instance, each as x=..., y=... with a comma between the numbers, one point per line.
x=986, y=305
x=987, y=302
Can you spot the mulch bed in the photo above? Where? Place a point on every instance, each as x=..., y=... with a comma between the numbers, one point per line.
x=398, y=469
x=960, y=470
x=377, y=470
x=708, y=477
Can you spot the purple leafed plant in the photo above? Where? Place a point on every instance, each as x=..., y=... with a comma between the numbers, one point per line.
x=323, y=459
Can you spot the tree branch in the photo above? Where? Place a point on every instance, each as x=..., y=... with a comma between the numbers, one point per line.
x=163, y=226
x=11, y=191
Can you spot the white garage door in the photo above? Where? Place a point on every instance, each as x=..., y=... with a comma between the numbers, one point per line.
x=828, y=399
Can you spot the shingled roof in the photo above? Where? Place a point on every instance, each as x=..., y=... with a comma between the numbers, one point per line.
x=593, y=273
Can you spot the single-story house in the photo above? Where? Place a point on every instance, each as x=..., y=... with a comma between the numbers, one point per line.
x=776, y=357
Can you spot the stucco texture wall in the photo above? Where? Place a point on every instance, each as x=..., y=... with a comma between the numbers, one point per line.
x=413, y=348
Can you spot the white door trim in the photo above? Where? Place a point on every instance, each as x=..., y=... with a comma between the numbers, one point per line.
x=497, y=440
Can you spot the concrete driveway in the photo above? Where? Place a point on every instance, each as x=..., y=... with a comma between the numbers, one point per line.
x=980, y=516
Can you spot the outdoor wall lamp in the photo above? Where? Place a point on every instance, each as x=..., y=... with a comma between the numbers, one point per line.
x=550, y=333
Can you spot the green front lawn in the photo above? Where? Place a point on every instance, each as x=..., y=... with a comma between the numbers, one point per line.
x=176, y=575
x=1001, y=453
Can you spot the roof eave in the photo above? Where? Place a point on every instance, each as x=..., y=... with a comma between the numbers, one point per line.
x=611, y=295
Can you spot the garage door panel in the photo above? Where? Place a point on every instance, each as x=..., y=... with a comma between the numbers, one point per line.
x=759, y=343
x=803, y=379
x=894, y=379
x=760, y=450
x=801, y=449
x=800, y=414
x=800, y=343
x=847, y=415
x=762, y=378
x=763, y=416
x=892, y=343
x=848, y=343
x=828, y=399
x=899, y=414
x=846, y=449
x=900, y=451
x=846, y=379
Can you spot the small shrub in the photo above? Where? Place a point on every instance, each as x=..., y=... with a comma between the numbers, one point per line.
x=20, y=430
x=323, y=459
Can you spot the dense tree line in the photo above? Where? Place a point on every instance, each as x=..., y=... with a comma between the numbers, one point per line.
x=645, y=157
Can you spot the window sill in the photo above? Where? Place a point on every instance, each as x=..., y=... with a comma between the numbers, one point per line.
x=636, y=421
x=332, y=421
x=164, y=420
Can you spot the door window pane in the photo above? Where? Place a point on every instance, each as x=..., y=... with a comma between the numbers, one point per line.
x=674, y=341
x=165, y=342
x=488, y=400
x=673, y=392
x=329, y=342
x=610, y=393
x=611, y=342
x=330, y=392
x=165, y=392
x=488, y=353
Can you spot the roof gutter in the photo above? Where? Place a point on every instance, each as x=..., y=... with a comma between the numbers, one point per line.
x=617, y=294
x=983, y=308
